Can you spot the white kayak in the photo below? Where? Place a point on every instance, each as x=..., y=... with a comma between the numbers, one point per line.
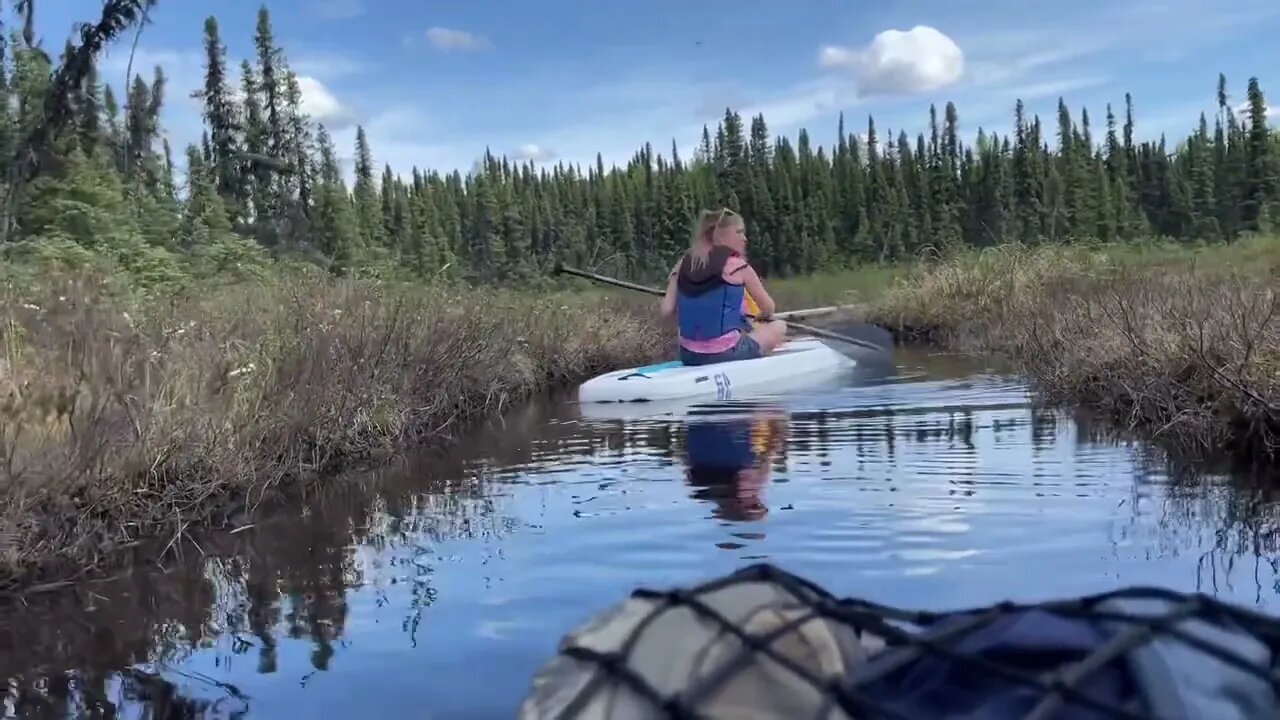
x=801, y=361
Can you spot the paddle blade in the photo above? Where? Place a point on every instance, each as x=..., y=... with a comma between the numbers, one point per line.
x=872, y=345
x=866, y=332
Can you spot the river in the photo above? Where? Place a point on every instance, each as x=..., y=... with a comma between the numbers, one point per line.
x=437, y=586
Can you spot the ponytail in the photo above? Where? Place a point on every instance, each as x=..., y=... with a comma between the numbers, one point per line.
x=703, y=239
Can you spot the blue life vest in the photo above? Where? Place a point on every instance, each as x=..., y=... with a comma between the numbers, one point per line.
x=707, y=307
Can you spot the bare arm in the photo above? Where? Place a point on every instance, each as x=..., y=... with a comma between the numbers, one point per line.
x=752, y=282
x=669, y=298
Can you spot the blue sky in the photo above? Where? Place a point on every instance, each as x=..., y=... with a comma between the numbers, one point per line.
x=436, y=83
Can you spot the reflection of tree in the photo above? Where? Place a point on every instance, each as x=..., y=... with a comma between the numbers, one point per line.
x=160, y=699
x=1221, y=510
x=62, y=648
x=263, y=613
x=148, y=695
x=1239, y=512
x=288, y=573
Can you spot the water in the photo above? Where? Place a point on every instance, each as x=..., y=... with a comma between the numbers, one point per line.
x=437, y=587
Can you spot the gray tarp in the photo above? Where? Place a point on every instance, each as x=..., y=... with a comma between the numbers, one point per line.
x=675, y=652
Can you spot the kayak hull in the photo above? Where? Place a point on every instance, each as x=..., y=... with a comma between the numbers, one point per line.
x=806, y=360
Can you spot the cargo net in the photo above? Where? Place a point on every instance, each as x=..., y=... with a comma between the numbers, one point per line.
x=762, y=643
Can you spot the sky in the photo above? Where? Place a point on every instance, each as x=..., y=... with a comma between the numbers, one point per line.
x=435, y=84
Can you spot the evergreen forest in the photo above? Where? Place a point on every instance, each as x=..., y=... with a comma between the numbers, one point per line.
x=89, y=175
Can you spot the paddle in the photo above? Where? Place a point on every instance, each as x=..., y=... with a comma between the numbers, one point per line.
x=816, y=332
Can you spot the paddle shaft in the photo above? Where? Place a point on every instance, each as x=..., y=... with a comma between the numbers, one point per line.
x=816, y=332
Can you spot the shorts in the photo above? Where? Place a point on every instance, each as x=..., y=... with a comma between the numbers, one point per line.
x=746, y=349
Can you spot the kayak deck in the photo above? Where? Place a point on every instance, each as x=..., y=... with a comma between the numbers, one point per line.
x=805, y=359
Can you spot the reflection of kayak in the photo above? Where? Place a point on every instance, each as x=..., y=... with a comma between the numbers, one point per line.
x=799, y=362
x=681, y=409
x=675, y=409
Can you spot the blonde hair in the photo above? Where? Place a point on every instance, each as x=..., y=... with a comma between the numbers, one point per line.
x=709, y=221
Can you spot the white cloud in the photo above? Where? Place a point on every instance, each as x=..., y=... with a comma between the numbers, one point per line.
x=339, y=9
x=323, y=106
x=534, y=152
x=922, y=59
x=1242, y=111
x=449, y=39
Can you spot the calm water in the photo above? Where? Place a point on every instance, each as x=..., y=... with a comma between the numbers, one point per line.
x=436, y=588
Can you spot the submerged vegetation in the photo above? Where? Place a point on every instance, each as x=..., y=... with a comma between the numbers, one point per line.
x=181, y=337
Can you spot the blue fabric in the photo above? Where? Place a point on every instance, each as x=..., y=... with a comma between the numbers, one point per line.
x=710, y=314
x=1167, y=678
x=746, y=349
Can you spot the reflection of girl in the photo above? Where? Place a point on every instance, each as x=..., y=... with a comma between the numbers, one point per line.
x=728, y=462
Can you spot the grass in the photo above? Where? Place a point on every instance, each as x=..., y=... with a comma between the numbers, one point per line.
x=854, y=286
x=122, y=420
x=1182, y=343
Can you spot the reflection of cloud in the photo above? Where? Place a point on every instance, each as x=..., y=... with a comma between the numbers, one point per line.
x=496, y=629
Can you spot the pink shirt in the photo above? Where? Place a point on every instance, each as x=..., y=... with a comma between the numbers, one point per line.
x=732, y=267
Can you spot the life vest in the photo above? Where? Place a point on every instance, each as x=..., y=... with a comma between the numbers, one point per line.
x=707, y=307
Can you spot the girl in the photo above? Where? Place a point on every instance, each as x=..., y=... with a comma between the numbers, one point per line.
x=707, y=292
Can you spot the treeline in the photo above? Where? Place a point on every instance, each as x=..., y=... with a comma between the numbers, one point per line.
x=265, y=179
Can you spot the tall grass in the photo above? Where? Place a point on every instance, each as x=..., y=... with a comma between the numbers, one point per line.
x=1182, y=343
x=121, y=420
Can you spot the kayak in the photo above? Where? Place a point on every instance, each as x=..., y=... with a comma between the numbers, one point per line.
x=802, y=361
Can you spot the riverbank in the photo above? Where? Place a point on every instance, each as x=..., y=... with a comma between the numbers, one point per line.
x=126, y=419
x=1180, y=344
